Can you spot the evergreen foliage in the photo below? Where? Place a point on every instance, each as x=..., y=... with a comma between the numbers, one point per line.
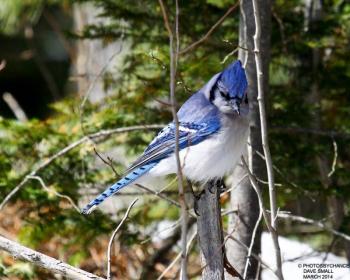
x=139, y=96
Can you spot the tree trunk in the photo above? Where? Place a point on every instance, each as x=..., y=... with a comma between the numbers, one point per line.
x=93, y=55
x=335, y=205
x=210, y=234
x=243, y=197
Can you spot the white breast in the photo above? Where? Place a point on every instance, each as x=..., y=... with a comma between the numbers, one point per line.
x=212, y=158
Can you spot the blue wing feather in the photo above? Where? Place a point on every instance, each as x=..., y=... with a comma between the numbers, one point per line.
x=198, y=120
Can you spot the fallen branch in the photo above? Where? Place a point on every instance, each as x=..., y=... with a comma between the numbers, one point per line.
x=55, y=266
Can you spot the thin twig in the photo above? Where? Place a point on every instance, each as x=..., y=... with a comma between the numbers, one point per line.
x=283, y=175
x=211, y=30
x=93, y=84
x=315, y=223
x=57, y=27
x=159, y=194
x=174, y=50
x=53, y=265
x=97, y=77
x=264, y=139
x=108, y=162
x=234, y=186
x=98, y=135
x=229, y=54
x=257, y=257
x=48, y=190
x=335, y=147
x=302, y=130
x=252, y=241
x=282, y=30
x=2, y=64
x=263, y=210
x=15, y=107
x=42, y=67
x=109, y=257
x=259, y=194
x=190, y=240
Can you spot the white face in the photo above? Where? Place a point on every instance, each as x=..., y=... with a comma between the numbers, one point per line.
x=227, y=105
x=222, y=103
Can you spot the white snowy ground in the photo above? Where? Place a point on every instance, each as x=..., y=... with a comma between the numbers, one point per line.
x=297, y=257
x=295, y=254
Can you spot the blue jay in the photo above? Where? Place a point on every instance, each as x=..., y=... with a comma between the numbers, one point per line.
x=213, y=130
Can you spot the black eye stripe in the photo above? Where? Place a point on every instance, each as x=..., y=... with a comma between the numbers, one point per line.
x=225, y=95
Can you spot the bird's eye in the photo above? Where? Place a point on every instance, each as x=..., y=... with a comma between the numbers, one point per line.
x=223, y=94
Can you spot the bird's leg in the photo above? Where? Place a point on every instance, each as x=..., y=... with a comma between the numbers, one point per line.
x=196, y=197
x=212, y=185
x=220, y=184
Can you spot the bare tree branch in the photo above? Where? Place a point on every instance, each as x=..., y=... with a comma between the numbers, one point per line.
x=313, y=222
x=23, y=253
x=211, y=30
x=264, y=138
x=320, y=132
x=190, y=240
x=15, y=107
x=42, y=67
x=334, y=163
x=251, y=246
x=159, y=194
x=263, y=210
x=2, y=64
x=48, y=190
x=257, y=257
x=98, y=135
x=109, y=273
x=174, y=51
x=259, y=194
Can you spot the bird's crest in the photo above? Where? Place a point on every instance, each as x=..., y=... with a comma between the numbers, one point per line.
x=234, y=80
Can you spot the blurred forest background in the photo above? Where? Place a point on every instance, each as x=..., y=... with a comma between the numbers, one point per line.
x=76, y=68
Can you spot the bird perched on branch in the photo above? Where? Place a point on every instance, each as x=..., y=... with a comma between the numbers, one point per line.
x=213, y=129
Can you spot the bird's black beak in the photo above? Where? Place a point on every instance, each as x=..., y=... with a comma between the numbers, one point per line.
x=235, y=105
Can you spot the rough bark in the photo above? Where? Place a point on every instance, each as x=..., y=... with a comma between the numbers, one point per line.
x=210, y=235
x=55, y=266
x=243, y=196
x=93, y=55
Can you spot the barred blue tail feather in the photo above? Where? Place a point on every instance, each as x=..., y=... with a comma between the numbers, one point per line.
x=213, y=127
x=125, y=181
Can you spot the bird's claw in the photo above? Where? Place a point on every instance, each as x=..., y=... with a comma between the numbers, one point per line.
x=222, y=186
x=211, y=188
x=195, y=202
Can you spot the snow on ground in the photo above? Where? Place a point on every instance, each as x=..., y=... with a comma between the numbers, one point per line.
x=298, y=259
